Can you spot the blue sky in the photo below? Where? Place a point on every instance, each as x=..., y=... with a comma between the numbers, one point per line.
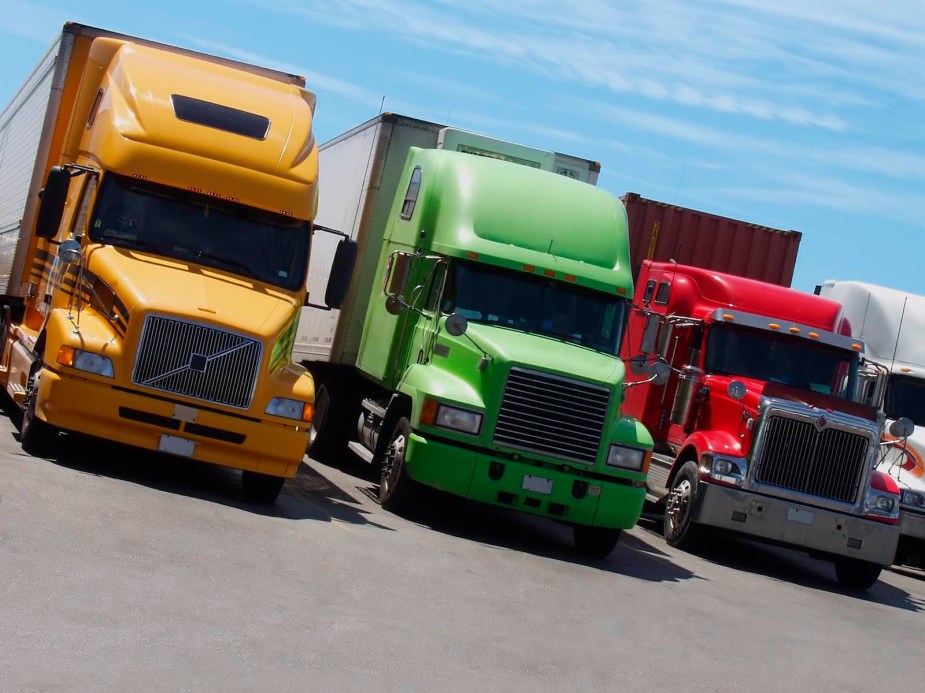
x=792, y=114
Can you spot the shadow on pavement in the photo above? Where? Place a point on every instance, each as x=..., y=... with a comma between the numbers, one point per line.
x=791, y=566
x=308, y=496
x=508, y=529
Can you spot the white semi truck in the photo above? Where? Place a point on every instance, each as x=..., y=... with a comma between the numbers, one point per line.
x=892, y=323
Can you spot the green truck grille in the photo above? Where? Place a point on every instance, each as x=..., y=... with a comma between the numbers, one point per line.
x=551, y=415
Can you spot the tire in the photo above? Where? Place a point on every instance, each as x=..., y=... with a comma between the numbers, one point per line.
x=330, y=428
x=261, y=488
x=397, y=490
x=680, y=529
x=37, y=437
x=595, y=542
x=855, y=574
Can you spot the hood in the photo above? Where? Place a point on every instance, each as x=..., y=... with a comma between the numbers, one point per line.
x=546, y=353
x=147, y=283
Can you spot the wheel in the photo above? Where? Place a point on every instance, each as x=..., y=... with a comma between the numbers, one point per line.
x=37, y=437
x=396, y=488
x=261, y=488
x=595, y=542
x=680, y=529
x=330, y=427
x=858, y=575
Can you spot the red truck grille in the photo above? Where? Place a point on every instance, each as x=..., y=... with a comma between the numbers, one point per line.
x=551, y=415
x=823, y=462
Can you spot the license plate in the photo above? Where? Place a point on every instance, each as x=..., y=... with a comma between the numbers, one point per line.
x=177, y=446
x=537, y=484
x=804, y=517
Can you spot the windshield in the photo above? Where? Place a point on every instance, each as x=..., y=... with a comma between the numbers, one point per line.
x=906, y=397
x=536, y=304
x=781, y=358
x=198, y=228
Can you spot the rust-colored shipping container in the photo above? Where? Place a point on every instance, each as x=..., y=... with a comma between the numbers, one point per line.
x=662, y=232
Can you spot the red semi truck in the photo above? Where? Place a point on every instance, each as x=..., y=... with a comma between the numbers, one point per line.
x=757, y=425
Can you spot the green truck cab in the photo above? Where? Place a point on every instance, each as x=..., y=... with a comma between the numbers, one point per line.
x=487, y=364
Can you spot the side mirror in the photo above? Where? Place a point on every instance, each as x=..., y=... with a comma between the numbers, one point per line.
x=659, y=372
x=342, y=267
x=902, y=427
x=456, y=325
x=69, y=251
x=394, y=305
x=51, y=207
x=650, y=333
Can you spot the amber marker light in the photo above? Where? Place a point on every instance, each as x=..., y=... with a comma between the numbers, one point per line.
x=429, y=411
x=773, y=325
x=814, y=335
x=472, y=256
x=906, y=370
x=569, y=277
x=728, y=317
x=621, y=290
x=66, y=356
x=856, y=347
x=529, y=268
x=795, y=330
x=307, y=411
x=549, y=273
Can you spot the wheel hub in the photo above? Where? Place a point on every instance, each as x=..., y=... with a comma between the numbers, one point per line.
x=678, y=504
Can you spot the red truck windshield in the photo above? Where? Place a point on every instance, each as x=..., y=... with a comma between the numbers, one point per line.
x=778, y=358
x=205, y=230
x=522, y=301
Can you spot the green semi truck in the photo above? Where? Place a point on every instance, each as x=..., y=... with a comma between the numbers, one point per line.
x=477, y=349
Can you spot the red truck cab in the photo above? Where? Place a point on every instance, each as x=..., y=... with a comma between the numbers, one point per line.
x=757, y=426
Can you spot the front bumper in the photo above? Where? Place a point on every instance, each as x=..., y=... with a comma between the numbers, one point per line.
x=800, y=526
x=470, y=473
x=242, y=442
x=911, y=524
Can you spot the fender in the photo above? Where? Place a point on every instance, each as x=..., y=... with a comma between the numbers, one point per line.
x=699, y=442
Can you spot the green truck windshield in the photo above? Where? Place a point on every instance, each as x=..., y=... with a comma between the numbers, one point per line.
x=193, y=227
x=778, y=358
x=521, y=301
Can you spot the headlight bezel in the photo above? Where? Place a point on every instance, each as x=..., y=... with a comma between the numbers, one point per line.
x=914, y=499
x=636, y=459
x=85, y=361
x=445, y=412
x=301, y=411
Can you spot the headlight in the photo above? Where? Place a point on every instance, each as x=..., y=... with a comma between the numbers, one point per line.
x=913, y=498
x=725, y=470
x=85, y=361
x=627, y=458
x=457, y=419
x=289, y=409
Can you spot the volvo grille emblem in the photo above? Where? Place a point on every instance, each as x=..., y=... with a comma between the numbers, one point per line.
x=198, y=362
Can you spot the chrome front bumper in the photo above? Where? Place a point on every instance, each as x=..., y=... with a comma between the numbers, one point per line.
x=911, y=524
x=800, y=526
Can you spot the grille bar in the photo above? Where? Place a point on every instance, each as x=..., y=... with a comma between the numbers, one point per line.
x=827, y=463
x=555, y=416
x=197, y=361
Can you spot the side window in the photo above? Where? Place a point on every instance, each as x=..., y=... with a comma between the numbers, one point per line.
x=411, y=196
x=650, y=289
x=664, y=291
x=436, y=287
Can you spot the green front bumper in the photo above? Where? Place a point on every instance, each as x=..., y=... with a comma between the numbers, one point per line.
x=466, y=472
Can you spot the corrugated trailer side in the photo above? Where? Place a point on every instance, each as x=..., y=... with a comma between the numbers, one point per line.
x=662, y=232
x=21, y=135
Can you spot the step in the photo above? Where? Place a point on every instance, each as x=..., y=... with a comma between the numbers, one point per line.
x=357, y=448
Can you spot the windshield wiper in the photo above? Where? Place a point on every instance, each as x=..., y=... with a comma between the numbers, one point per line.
x=131, y=243
x=230, y=262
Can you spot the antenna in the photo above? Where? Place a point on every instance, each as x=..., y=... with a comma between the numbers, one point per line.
x=898, y=333
x=381, y=104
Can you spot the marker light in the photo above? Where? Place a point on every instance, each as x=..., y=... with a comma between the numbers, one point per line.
x=795, y=330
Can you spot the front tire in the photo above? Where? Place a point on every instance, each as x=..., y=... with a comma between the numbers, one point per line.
x=680, y=529
x=397, y=490
x=330, y=428
x=37, y=437
x=855, y=574
x=595, y=542
x=261, y=488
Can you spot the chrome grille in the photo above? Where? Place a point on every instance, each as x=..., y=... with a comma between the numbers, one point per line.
x=554, y=416
x=197, y=361
x=827, y=463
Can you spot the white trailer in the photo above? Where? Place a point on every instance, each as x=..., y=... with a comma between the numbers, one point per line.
x=360, y=171
x=892, y=324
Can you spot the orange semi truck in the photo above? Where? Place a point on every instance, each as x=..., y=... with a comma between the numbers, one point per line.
x=156, y=210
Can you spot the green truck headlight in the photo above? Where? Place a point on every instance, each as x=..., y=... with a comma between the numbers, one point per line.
x=456, y=419
x=289, y=409
x=85, y=361
x=624, y=457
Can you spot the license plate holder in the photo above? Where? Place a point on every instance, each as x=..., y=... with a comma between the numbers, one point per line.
x=537, y=484
x=177, y=446
x=803, y=517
